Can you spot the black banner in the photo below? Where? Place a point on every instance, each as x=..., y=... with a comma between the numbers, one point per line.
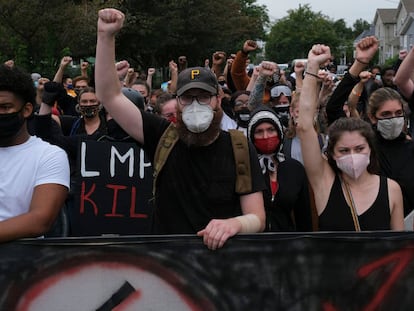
x=112, y=190
x=320, y=271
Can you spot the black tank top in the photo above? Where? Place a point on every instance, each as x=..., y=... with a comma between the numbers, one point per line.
x=337, y=214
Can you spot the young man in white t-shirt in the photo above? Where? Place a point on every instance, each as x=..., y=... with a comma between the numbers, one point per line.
x=34, y=175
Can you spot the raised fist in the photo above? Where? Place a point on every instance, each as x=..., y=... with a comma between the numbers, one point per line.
x=84, y=65
x=66, y=60
x=52, y=92
x=249, y=46
x=110, y=21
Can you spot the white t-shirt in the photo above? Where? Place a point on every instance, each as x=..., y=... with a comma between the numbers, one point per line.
x=227, y=123
x=296, y=150
x=25, y=166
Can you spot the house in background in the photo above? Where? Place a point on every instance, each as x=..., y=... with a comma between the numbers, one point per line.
x=394, y=29
x=405, y=24
x=385, y=25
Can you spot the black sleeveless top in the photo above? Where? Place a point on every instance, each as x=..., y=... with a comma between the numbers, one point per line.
x=337, y=214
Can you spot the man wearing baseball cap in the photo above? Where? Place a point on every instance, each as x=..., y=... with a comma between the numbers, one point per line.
x=195, y=190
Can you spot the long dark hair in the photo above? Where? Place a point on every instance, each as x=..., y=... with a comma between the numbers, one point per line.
x=342, y=125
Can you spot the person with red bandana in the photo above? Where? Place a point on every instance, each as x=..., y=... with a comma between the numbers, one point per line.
x=287, y=191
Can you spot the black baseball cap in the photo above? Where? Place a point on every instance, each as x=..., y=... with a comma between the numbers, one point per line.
x=197, y=78
x=134, y=96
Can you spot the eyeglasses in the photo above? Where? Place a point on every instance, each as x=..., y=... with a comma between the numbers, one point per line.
x=202, y=99
x=240, y=103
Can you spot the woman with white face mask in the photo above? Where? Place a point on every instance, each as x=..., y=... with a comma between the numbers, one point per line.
x=349, y=196
x=386, y=114
x=395, y=148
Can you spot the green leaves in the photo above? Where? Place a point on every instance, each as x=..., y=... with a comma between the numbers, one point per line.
x=293, y=36
x=35, y=33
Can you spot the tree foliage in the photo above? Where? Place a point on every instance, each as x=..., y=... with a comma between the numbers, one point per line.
x=159, y=31
x=36, y=33
x=359, y=26
x=293, y=36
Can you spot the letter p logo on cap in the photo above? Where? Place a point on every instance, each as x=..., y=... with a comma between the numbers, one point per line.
x=194, y=73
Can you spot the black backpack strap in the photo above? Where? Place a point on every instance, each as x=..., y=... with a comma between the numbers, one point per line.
x=242, y=160
x=75, y=127
x=287, y=147
x=164, y=147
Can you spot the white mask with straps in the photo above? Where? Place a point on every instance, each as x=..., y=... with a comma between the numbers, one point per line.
x=196, y=117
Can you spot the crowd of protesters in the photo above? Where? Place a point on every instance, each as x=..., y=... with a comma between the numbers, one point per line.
x=326, y=152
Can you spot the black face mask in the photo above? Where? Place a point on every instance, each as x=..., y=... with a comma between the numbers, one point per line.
x=282, y=111
x=10, y=124
x=89, y=111
x=243, y=117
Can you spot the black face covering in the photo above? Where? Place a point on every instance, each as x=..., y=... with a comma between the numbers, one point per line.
x=10, y=124
x=282, y=111
x=89, y=111
x=243, y=117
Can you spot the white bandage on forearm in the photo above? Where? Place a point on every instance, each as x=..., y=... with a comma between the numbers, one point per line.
x=250, y=223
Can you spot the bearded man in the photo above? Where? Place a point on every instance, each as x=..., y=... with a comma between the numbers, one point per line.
x=195, y=191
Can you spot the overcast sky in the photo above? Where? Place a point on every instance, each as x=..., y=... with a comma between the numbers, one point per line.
x=349, y=10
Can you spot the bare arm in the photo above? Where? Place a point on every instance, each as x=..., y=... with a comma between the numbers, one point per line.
x=130, y=77
x=356, y=92
x=396, y=202
x=219, y=60
x=150, y=75
x=40, y=89
x=253, y=204
x=316, y=166
x=299, y=69
x=65, y=61
x=402, y=78
x=108, y=88
x=174, y=77
x=84, y=69
x=46, y=202
x=253, y=220
x=227, y=67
